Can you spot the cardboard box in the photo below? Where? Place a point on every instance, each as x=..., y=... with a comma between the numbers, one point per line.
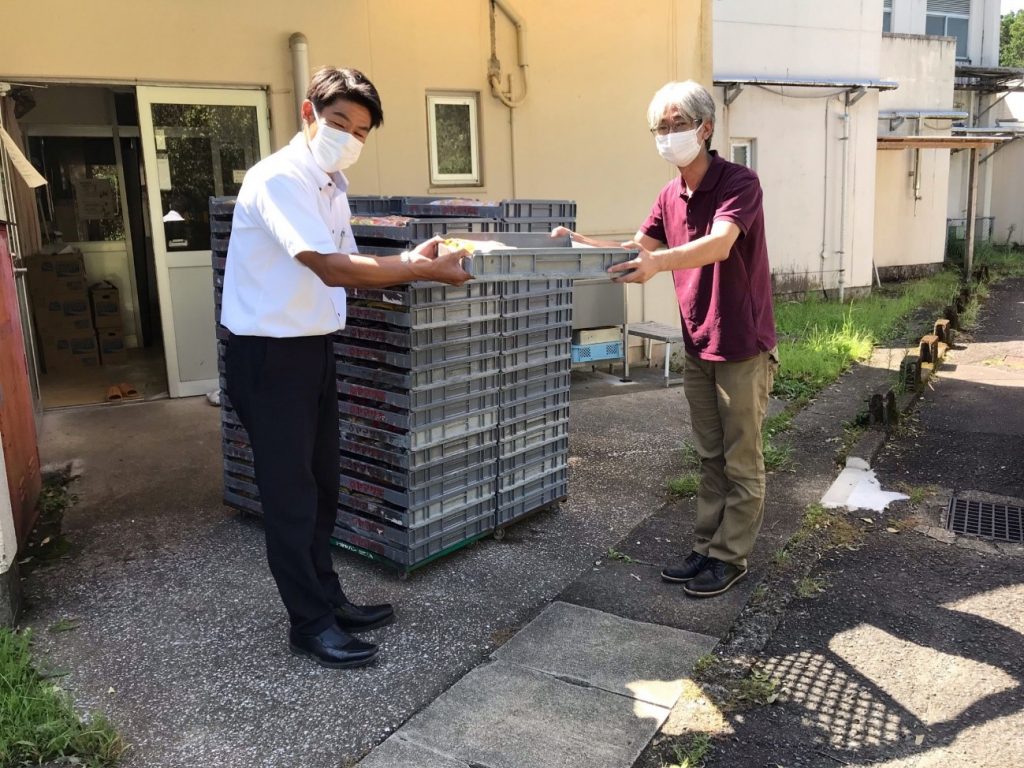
x=69, y=351
x=56, y=266
x=111, y=345
x=62, y=313
x=106, y=305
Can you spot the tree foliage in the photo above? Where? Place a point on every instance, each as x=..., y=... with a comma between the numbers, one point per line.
x=1011, y=40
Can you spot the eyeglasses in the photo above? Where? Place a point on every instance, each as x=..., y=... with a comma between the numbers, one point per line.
x=677, y=127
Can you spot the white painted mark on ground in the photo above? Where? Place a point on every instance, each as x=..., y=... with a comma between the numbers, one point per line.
x=858, y=488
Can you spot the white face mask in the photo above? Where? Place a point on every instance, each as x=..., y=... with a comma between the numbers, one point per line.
x=681, y=148
x=333, y=149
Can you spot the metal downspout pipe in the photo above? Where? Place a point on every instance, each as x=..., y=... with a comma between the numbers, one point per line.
x=299, y=47
x=841, y=252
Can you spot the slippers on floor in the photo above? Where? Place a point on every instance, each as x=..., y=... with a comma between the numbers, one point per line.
x=128, y=392
x=114, y=395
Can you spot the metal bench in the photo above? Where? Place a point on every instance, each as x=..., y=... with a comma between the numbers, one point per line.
x=666, y=334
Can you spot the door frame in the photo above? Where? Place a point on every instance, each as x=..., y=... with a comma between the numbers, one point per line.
x=146, y=96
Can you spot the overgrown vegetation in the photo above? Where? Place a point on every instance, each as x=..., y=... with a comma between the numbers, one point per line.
x=46, y=542
x=820, y=339
x=690, y=753
x=37, y=721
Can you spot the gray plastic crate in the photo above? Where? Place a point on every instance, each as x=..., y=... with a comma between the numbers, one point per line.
x=455, y=522
x=550, y=401
x=527, y=357
x=448, y=206
x=538, y=209
x=426, y=316
x=518, y=506
x=424, y=378
x=541, y=460
x=536, y=320
x=535, y=225
x=419, y=294
x=535, y=337
x=530, y=303
x=418, y=338
x=532, y=389
x=472, y=466
x=374, y=495
x=366, y=442
x=525, y=287
x=376, y=249
x=415, y=399
x=416, y=359
x=411, y=419
x=555, y=478
x=410, y=557
x=222, y=206
x=432, y=434
x=374, y=205
x=544, y=370
x=547, y=262
x=417, y=230
x=242, y=503
x=533, y=432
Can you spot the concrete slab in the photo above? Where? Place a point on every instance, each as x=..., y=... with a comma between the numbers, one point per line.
x=505, y=716
x=400, y=752
x=644, y=661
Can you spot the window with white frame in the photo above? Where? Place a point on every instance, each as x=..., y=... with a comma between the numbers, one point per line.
x=741, y=152
x=454, y=139
x=887, y=15
x=950, y=18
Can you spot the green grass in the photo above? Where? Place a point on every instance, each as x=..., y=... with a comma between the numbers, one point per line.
x=820, y=339
x=685, y=485
x=810, y=586
x=1000, y=260
x=705, y=664
x=691, y=753
x=37, y=721
x=755, y=690
x=614, y=554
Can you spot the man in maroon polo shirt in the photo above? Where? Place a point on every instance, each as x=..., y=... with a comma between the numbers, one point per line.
x=707, y=228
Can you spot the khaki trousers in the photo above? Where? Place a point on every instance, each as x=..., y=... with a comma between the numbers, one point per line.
x=728, y=402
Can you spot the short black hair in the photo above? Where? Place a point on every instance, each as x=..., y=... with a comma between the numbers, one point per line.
x=330, y=84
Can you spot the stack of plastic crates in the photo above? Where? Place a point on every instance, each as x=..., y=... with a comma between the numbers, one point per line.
x=418, y=382
x=239, y=476
x=389, y=225
x=536, y=331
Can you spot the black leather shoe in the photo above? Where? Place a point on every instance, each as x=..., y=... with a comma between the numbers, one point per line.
x=716, y=578
x=363, y=618
x=694, y=563
x=333, y=648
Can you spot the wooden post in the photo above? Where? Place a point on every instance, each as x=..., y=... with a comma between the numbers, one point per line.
x=972, y=204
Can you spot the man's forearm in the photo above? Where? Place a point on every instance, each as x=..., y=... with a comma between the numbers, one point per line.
x=361, y=271
x=698, y=253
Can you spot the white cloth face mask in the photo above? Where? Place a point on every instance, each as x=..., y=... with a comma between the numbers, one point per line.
x=680, y=149
x=333, y=149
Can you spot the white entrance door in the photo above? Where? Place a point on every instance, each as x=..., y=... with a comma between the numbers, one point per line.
x=196, y=143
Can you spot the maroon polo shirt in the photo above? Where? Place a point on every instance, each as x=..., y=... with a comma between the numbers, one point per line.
x=726, y=307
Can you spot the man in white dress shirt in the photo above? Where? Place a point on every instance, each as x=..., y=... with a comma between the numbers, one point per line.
x=290, y=257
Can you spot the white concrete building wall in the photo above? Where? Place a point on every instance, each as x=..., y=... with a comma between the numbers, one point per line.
x=1007, y=205
x=797, y=132
x=912, y=185
x=909, y=17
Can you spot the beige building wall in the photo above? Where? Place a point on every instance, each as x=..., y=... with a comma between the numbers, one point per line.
x=1007, y=205
x=912, y=185
x=580, y=132
x=798, y=132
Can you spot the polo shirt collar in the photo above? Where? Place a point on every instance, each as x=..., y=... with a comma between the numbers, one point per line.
x=711, y=177
x=300, y=149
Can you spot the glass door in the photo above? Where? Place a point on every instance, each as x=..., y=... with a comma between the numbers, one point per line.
x=196, y=143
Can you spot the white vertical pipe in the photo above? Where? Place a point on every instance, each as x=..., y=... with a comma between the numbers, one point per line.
x=299, y=47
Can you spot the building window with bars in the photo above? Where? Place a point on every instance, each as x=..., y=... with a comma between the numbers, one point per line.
x=741, y=152
x=950, y=18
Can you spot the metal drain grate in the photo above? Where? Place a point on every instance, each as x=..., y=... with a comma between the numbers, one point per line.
x=981, y=518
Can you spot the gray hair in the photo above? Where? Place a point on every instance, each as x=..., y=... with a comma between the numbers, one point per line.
x=691, y=99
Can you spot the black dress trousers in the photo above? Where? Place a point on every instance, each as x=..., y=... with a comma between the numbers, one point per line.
x=285, y=394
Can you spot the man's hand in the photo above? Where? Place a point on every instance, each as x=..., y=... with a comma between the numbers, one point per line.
x=639, y=270
x=446, y=268
x=561, y=232
x=428, y=248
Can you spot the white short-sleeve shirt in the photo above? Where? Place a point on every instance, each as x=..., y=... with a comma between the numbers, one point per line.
x=286, y=205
